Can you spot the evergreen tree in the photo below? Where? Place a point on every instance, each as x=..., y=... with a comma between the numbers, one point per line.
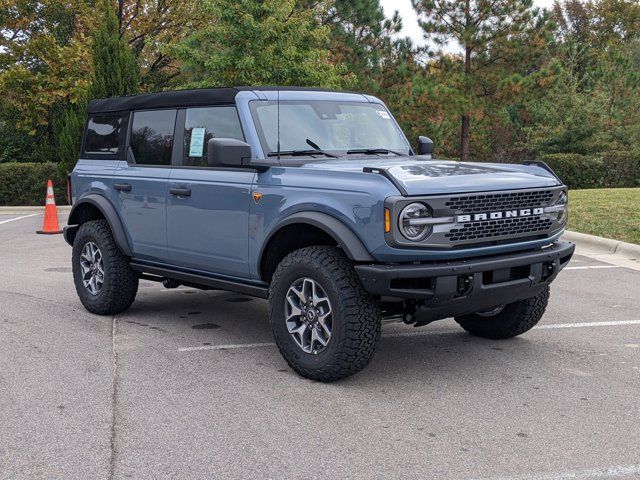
x=260, y=42
x=503, y=45
x=68, y=129
x=115, y=71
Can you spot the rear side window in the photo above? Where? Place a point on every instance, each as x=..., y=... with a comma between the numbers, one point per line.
x=203, y=124
x=152, y=136
x=103, y=135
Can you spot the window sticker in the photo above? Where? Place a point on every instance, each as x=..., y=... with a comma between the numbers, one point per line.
x=196, y=148
x=384, y=114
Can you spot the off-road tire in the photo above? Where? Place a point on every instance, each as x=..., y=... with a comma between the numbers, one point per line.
x=120, y=281
x=516, y=319
x=356, y=316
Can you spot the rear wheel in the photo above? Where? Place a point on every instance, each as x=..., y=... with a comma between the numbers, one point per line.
x=104, y=281
x=506, y=321
x=324, y=322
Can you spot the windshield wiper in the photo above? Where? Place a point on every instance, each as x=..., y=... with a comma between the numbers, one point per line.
x=300, y=153
x=373, y=151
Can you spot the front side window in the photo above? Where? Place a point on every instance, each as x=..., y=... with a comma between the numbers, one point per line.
x=103, y=135
x=203, y=124
x=334, y=126
x=152, y=136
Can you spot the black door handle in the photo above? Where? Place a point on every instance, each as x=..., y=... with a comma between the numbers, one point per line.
x=180, y=192
x=122, y=187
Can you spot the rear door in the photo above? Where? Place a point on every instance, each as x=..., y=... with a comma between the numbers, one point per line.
x=140, y=182
x=208, y=208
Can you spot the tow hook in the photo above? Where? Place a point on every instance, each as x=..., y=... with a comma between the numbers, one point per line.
x=548, y=269
x=465, y=285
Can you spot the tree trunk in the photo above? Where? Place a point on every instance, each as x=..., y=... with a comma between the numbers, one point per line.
x=466, y=116
x=464, y=137
x=465, y=130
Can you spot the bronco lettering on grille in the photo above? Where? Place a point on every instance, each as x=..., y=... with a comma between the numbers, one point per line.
x=476, y=217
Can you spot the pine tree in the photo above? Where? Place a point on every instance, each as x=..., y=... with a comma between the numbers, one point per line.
x=115, y=71
x=496, y=37
x=68, y=129
x=260, y=42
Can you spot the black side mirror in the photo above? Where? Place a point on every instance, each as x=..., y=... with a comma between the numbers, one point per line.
x=228, y=152
x=425, y=146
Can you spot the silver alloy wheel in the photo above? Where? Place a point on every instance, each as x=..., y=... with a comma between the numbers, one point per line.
x=92, y=268
x=308, y=315
x=492, y=311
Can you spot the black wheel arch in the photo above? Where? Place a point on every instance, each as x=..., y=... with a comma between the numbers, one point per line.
x=93, y=207
x=333, y=228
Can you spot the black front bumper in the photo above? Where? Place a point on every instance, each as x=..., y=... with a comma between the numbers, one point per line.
x=465, y=286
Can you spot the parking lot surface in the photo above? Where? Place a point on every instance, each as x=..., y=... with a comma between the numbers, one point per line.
x=188, y=384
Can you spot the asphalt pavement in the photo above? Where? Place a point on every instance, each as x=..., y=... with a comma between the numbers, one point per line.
x=188, y=384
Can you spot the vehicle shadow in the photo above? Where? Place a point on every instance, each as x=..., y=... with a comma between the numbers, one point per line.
x=436, y=353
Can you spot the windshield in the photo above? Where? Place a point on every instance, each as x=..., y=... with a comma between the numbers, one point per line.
x=332, y=126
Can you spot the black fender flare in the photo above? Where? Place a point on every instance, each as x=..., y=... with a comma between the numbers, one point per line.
x=108, y=212
x=343, y=235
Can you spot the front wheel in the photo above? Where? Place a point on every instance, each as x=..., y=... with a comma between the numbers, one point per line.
x=324, y=322
x=507, y=321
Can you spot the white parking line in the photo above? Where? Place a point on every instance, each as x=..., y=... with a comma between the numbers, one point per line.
x=19, y=218
x=594, y=267
x=226, y=347
x=611, y=472
x=235, y=346
x=588, y=324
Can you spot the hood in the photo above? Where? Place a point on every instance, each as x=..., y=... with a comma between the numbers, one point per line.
x=421, y=176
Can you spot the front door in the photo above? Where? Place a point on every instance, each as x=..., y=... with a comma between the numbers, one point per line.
x=140, y=183
x=208, y=208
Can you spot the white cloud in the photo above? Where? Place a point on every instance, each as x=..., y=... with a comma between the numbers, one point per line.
x=411, y=28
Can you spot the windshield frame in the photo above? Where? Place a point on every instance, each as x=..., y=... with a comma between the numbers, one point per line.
x=342, y=154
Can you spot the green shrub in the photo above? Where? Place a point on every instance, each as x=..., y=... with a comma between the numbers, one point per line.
x=608, y=170
x=26, y=183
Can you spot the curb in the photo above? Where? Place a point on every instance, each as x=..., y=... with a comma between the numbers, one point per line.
x=17, y=210
x=604, y=246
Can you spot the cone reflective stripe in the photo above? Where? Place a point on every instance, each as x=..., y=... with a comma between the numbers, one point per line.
x=50, y=225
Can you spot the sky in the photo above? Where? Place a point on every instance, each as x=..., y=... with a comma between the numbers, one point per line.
x=410, y=22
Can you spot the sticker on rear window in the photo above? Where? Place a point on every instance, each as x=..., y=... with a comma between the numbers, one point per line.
x=196, y=148
x=384, y=114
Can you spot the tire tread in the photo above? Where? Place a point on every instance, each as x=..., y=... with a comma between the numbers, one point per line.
x=120, y=289
x=361, y=319
x=516, y=319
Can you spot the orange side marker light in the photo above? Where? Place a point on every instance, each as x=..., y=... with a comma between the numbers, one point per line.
x=387, y=220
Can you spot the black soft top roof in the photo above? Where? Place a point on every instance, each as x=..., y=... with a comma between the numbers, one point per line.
x=177, y=98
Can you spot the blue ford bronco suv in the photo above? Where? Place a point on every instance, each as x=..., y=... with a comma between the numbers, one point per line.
x=315, y=200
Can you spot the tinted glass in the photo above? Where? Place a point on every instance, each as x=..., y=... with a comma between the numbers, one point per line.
x=103, y=134
x=152, y=137
x=203, y=124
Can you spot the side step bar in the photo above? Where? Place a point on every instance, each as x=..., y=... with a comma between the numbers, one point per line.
x=204, y=280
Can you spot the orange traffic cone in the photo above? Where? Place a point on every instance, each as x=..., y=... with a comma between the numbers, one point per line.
x=50, y=226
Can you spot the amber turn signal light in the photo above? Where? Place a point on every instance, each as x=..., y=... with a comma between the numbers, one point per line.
x=387, y=220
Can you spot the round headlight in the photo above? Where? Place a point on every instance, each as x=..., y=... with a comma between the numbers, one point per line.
x=410, y=223
x=562, y=201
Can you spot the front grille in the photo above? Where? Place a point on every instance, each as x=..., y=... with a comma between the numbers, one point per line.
x=500, y=201
x=504, y=227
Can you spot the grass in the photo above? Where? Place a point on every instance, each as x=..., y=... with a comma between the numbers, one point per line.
x=608, y=212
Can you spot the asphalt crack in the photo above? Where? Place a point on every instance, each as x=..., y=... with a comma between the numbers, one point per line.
x=114, y=402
